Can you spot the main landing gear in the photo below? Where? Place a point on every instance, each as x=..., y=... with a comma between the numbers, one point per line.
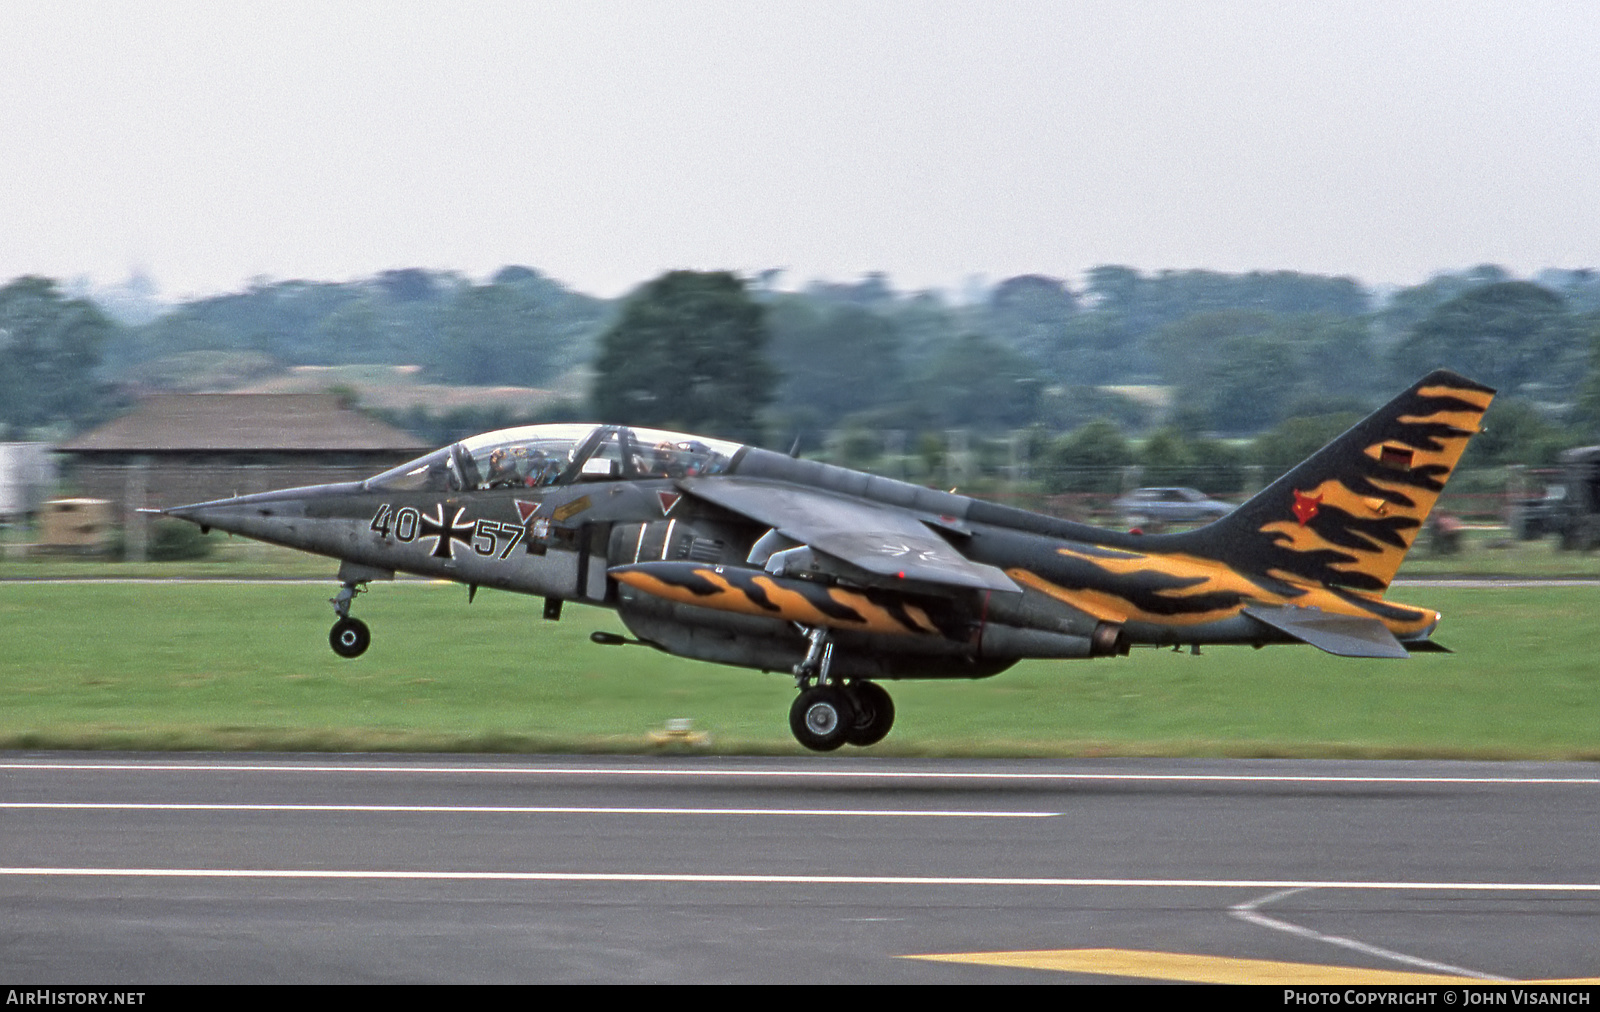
x=828, y=713
x=349, y=637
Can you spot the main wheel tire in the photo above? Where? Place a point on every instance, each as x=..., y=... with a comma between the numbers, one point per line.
x=349, y=637
x=874, y=713
x=822, y=718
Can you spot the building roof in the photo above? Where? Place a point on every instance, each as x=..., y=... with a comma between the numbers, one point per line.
x=230, y=422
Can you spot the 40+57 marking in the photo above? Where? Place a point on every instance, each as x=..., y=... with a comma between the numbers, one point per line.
x=485, y=537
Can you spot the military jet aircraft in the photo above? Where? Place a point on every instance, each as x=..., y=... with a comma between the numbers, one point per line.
x=738, y=555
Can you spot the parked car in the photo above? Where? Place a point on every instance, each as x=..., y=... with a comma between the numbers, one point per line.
x=1155, y=506
x=1536, y=516
x=1570, y=506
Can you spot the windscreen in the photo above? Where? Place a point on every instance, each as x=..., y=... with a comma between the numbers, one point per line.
x=533, y=456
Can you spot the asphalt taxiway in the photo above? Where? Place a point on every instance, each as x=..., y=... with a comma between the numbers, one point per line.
x=142, y=869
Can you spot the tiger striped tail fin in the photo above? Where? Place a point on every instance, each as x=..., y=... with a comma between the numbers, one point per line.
x=1347, y=516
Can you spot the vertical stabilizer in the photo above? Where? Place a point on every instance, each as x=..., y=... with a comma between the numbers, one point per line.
x=1347, y=516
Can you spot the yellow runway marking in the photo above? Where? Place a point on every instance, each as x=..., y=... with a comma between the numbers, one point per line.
x=1193, y=969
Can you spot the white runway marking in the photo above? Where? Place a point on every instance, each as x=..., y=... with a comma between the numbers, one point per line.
x=521, y=809
x=889, y=880
x=1250, y=913
x=807, y=774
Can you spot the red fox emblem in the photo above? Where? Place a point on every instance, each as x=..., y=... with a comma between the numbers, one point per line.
x=1305, y=507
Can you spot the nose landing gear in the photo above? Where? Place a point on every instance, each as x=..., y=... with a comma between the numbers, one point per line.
x=349, y=637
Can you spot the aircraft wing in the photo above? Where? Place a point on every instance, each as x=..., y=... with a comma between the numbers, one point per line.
x=886, y=542
x=1342, y=635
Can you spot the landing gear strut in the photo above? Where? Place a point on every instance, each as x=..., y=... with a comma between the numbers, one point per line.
x=828, y=713
x=349, y=637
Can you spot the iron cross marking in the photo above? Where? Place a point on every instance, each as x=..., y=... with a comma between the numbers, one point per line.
x=901, y=551
x=445, y=536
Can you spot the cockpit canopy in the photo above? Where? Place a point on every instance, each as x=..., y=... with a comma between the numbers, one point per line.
x=531, y=456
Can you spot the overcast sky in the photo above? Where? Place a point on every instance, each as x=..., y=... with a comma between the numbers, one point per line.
x=605, y=142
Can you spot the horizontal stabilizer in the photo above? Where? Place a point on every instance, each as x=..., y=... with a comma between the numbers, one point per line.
x=1342, y=635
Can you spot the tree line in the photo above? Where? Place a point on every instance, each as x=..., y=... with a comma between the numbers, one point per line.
x=1211, y=371
x=1189, y=365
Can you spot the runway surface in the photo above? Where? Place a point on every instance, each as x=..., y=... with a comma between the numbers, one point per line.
x=142, y=869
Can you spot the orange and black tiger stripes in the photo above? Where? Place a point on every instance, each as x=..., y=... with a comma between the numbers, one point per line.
x=1348, y=515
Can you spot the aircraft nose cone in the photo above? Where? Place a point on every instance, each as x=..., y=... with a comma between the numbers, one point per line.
x=264, y=515
x=282, y=517
x=224, y=515
x=182, y=512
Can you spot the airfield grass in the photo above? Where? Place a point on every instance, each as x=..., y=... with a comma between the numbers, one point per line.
x=247, y=666
x=230, y=558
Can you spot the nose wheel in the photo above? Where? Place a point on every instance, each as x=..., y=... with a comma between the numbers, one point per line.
x=349, y=637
